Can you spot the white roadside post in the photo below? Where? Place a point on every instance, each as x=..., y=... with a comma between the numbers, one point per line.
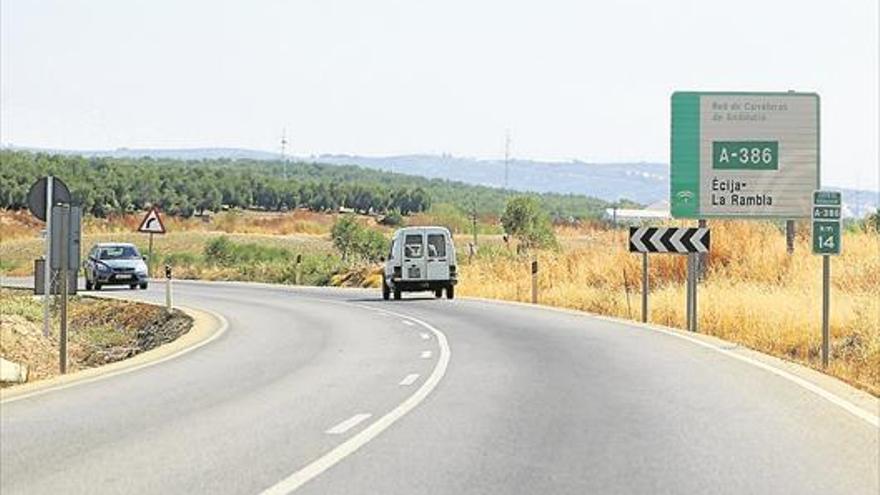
x=534, y=279
x=168, y=305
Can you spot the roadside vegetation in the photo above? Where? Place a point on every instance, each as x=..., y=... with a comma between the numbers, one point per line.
x=116, y=186
x=753, y=293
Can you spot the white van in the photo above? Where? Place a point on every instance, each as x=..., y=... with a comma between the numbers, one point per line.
x=421, y=259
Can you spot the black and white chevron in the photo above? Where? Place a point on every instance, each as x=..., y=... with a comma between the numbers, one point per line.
x=668, y=240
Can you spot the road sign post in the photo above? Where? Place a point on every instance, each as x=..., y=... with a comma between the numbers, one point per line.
x=64, y=254
x=42, y=196
x=644, y=287
x=689, y=241
x=826, y=242
x=47, y=272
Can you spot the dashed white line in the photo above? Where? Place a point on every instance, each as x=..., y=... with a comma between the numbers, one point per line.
x=407, y=322
x=348, y=424
x=409, y=379
x=424, y=336
x=426, y=354
x=323, y=463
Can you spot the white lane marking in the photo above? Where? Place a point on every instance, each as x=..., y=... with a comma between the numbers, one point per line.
x=424, y=336
x=409, y=379
x=341, y=451
x=407, y=322
x=348, y=424
x=805, y=384
x=224, y=325
x=426, y=355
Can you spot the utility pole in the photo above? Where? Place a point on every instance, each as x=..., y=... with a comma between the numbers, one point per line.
x=284, y=151
x=506, y=158
x=474, y=220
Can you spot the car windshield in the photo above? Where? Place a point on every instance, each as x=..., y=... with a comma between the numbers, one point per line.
x=118, y=253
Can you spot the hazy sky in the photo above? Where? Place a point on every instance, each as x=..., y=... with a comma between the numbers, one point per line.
x=580, y=79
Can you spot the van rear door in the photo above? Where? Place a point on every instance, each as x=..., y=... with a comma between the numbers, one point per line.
x=437, y=259
x=414, y=266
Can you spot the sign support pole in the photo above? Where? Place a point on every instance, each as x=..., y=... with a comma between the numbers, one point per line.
x=150, y=252
x=64, y=284
x=691, y=291
x=47, y=272
x=644, y=287
x=826, y=307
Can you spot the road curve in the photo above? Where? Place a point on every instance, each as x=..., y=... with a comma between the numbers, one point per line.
x=313, y=386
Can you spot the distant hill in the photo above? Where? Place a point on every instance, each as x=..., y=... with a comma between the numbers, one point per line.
x=640, y=182
x=643, y=183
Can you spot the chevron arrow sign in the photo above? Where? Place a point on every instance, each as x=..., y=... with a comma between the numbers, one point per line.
x=668, y=240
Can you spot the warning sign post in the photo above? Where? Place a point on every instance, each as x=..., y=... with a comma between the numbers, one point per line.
x=152, y=224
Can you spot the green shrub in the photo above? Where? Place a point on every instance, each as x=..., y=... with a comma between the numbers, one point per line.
x=353, y=239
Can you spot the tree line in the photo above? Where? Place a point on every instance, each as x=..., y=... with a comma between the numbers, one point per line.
x=105, y=186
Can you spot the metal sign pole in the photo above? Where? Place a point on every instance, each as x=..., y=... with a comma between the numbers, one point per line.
x=644, y=287
x=691, y=279
x=826, y=307
x=64, y=284
x=150, y=254
x=47, y=272
x=694, y=300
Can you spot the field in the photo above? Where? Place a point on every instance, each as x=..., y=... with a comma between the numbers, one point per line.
x=754, y=293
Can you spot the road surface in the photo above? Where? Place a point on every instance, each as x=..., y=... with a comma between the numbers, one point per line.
x=325, y=391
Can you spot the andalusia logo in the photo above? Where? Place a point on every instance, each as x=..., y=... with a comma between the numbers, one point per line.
x=685, y=196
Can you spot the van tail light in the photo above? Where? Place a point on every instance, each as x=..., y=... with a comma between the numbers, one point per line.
x=398, y=272
x=452, y=270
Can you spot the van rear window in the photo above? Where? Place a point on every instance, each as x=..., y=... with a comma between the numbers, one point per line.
x=436, y=245
x=412, y=246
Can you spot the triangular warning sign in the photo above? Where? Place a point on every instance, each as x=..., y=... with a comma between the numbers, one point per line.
x=152, y=222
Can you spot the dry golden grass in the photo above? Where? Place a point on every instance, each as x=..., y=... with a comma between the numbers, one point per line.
x=754, y=293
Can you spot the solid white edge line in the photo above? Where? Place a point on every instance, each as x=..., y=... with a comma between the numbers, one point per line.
x=805, y=384
x=348, y=424
x=224, y=324
x=409, y=379
x=407, y=322
x=343, y=450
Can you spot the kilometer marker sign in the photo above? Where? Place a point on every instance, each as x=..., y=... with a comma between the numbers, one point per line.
x=744, y=155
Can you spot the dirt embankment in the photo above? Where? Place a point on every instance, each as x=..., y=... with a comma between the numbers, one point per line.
x=101, y=331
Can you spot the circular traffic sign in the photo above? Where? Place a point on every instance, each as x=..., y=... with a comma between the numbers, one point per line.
x=37, y=196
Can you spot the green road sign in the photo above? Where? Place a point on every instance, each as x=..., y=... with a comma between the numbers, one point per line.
x=826, y=222
x=744, y=155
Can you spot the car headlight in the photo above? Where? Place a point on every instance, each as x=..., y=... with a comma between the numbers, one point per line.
x=103, y=268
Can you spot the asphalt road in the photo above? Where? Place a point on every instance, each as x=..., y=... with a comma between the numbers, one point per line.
x=532, y=401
